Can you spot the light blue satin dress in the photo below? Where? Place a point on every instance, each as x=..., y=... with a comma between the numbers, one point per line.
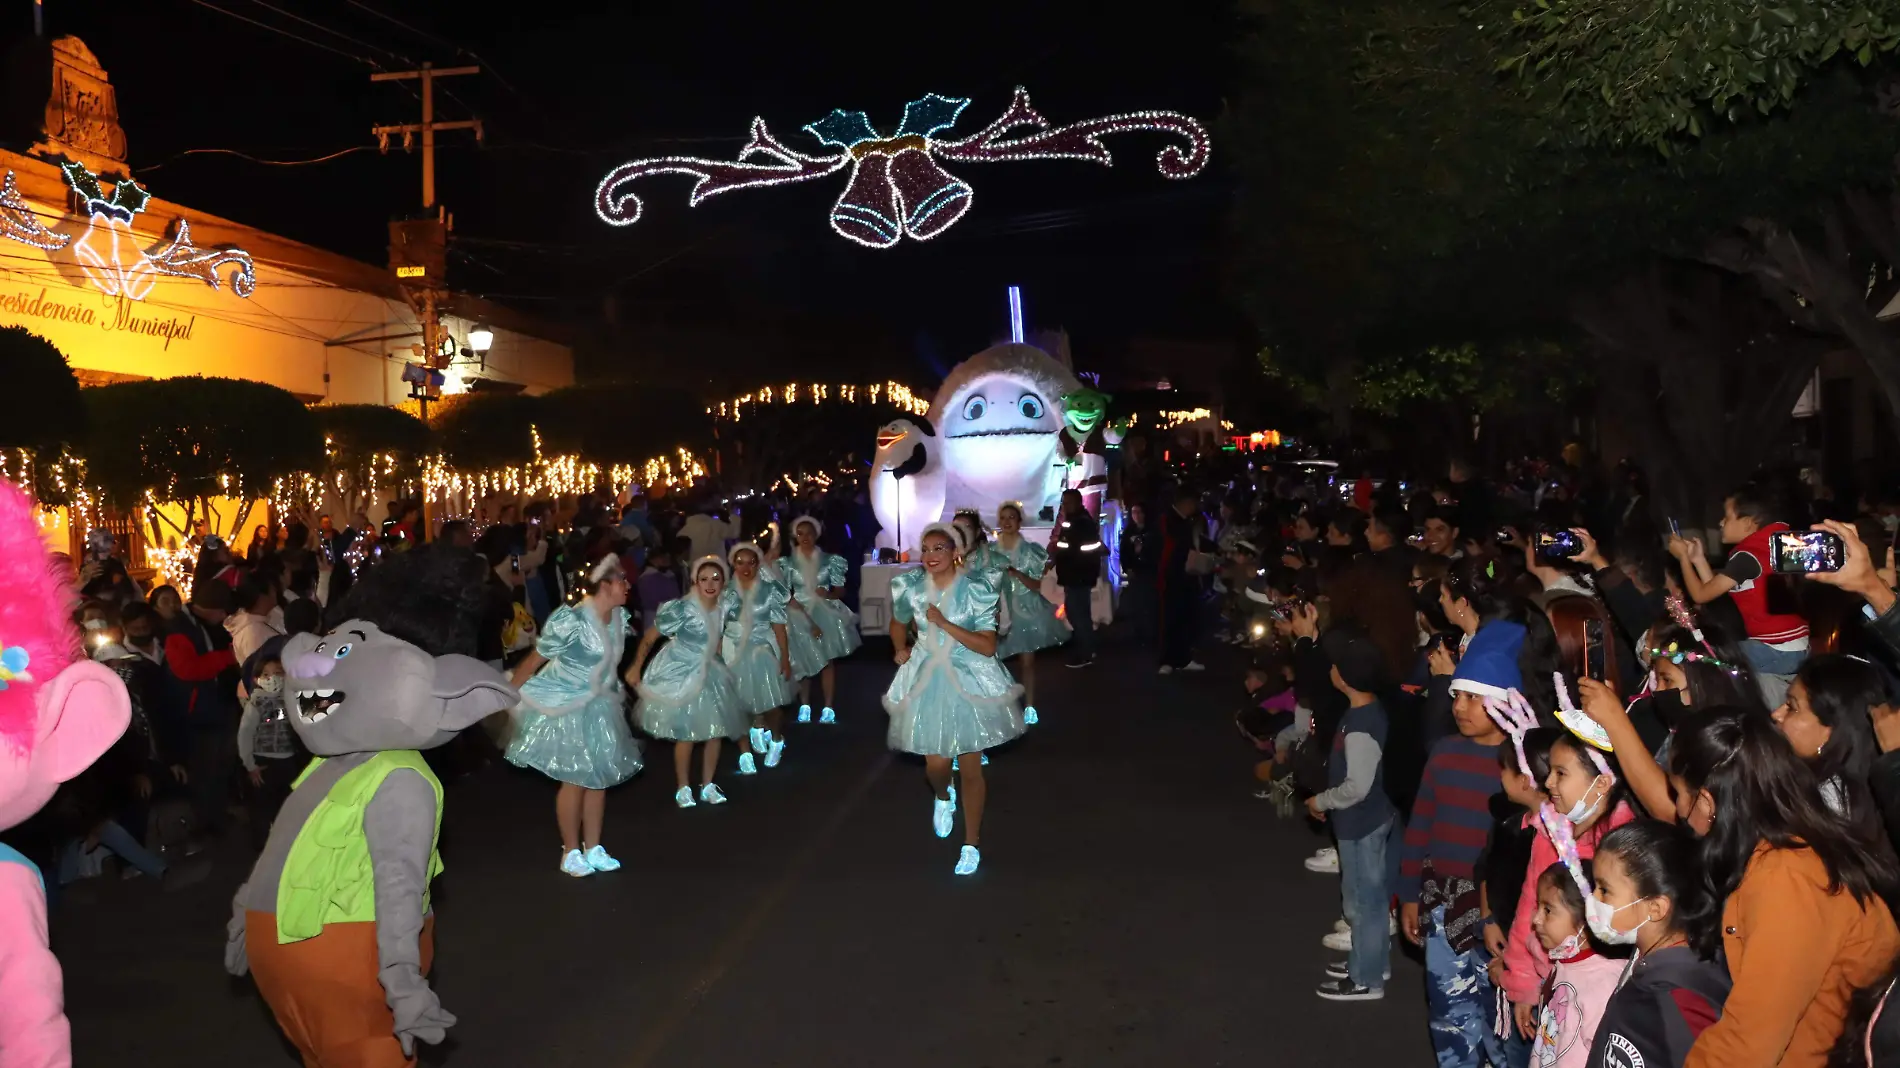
x=838, y=635
x=573, y=720
x=751, y=647
x=1030, y=621
x=948, y=699
x=688, y=693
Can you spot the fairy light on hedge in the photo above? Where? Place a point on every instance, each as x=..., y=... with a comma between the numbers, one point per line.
x=898, y=186
x=895, y=394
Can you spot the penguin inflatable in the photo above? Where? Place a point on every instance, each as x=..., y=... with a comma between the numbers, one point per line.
x=907, y=490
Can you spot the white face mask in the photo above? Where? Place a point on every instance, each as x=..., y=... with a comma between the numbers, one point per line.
x=270, y=684
x=1598, y=914
x=95, y=624
x=1571, y=946
x=1584, y=809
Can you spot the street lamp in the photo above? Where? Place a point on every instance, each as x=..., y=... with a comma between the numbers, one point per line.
x=481, y=339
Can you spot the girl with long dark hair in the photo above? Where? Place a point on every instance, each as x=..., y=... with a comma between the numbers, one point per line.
x=1825, y=720
x=1803, y=920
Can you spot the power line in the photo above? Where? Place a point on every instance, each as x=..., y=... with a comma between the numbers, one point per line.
x=293, y=36
x=334, y=33
x=255, y=159
x=445, y=43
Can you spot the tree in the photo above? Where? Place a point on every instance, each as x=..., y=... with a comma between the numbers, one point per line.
x=40, y=414
x=192, y=440
x=482, y=431
x=370, y=449
x=623, y=422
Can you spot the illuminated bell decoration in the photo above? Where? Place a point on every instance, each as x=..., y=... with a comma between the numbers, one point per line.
x=109, y=252
x=897, y=185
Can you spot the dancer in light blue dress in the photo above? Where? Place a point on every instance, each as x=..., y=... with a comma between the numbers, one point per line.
x=756, y=649
x=688, y=694
x=951, y=698
x=572, y=717
x=823, y=629
x=1017, y=565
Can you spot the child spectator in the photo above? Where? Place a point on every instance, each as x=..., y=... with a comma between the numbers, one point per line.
x=1440, y=902
x=1507, y=854
x=1592, y=801
x=1777, y=640
x=1581, y=981
x=1362, y=816
x=266, y=743
x=1649, y=894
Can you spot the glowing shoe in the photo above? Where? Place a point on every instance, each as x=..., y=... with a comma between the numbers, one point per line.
x=828, y=716
x=983, y=759
x=575, y=864
x=1030, y=717
x=598, y=860
x=746, y=766
x=684, y=798
x=943, y=814
x=774, y=752
x=968, y=860
x=712, y=794
x=804, y=713
x=757, y=737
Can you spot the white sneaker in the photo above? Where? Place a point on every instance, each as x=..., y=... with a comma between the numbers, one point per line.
x=756, y=736
x=967, y=860
x=684, y=797
x=1166, y=669
x=575, y=864
x=1326, y=861
x=943, y=814
x=746, y=765
x=774, y=752
x=1338, y=941
x=712, y=794
x=1194, y=665
x=1341, y=925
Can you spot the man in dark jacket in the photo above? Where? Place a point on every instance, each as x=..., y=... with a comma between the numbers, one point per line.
x=1077, y=555
x=204, y=686
x=1183, y=533
x=1140, y=561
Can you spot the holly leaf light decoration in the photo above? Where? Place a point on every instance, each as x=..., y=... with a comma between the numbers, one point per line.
x=898, y=185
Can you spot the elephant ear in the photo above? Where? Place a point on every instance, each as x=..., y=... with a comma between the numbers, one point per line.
x=470, y=691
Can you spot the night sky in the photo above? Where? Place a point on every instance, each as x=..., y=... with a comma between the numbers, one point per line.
x=1109, y=253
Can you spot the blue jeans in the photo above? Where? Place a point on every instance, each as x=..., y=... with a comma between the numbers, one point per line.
x=1774, y=668
x=1459, y=1001
x=120, y=841
x=1364, y=892
x=1075, y=607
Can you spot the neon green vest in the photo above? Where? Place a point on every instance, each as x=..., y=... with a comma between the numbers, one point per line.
x=328, y=877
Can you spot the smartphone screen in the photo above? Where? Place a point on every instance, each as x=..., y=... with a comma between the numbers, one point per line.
x=1557, y=544
x=1593, y=649
x=1807, y=552
x=1675, y=528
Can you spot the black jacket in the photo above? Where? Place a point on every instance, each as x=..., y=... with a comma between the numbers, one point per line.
x=1670, y=997
x=1140, y=549
x=1078, y=550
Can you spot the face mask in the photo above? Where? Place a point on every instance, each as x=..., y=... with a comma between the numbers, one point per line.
x=1668, y=706
x=1584, y=808
x=1569, y=947
x=1598, y=914
x=270, y=684
x=95, y=624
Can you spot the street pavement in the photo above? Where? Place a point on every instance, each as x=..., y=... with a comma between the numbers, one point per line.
x=1136, y=906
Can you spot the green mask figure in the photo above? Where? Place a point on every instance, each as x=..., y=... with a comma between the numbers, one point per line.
x=1084, y=410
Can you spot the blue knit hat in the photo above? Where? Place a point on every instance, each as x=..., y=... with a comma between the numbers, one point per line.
x=1489, y=667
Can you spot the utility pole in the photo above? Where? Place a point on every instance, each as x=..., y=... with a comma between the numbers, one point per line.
x=418, y=247
x=428, y=126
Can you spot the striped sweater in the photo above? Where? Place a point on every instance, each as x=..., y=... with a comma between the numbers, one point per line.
x=1451, y=820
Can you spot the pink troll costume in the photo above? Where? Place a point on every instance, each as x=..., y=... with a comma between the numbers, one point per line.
x=58, y=713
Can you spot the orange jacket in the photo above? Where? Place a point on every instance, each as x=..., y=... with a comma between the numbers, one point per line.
x=1796, y=953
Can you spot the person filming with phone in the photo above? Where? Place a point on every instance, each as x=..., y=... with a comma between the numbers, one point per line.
x=1777, y=641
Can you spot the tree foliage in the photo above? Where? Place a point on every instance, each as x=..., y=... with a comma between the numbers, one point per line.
x=193, y=439
x=478, y=431
x=370, y=448
x=622, y=423
x=1637, y=72
x=40, y=408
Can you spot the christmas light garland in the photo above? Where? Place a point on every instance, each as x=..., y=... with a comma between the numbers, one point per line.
x=897, y=187
x=20, y=222
x=895, y=394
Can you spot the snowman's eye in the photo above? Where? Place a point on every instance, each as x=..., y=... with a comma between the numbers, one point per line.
x=1030, y=405
x=974, y=408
